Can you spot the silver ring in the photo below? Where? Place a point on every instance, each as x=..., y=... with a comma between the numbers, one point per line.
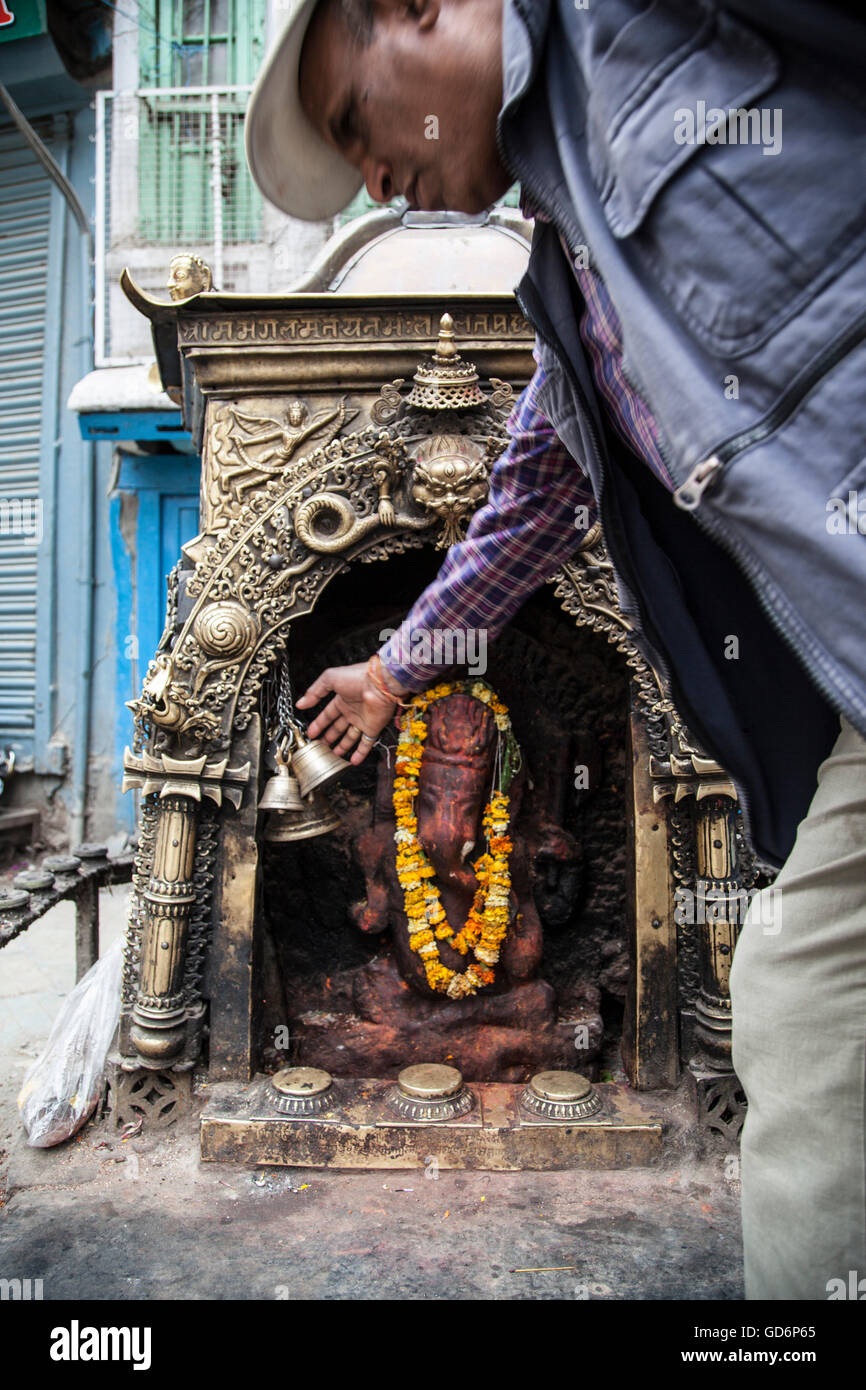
x=368, y=738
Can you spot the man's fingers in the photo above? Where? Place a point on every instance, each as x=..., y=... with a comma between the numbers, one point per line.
x=331, y=712
x=349, y=739
x=318, y=690
x=335, y=730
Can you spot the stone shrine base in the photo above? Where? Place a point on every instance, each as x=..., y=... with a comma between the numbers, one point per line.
x=241, y=1125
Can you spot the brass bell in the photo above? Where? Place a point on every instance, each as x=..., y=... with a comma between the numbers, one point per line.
x=315, y=818
x=315, y=763
x=282, y=792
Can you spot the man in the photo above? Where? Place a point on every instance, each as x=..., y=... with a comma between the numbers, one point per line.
x=697, y=287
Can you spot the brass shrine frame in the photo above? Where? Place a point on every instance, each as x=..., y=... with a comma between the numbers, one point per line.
x=299, y=481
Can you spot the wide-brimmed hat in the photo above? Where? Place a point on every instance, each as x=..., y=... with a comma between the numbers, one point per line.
x=295, y=168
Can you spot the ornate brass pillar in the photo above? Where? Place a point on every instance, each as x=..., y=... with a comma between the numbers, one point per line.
x=712, y=893
x=710, y=900
x=164, y=1023
x=718, y=916
x=158, y=1029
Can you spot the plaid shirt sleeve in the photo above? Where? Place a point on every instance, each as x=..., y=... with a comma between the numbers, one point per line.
x=539, y=508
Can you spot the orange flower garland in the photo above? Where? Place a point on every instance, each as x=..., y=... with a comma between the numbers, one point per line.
x=487, y=923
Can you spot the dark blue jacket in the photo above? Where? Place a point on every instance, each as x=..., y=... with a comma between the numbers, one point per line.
x=739, y=276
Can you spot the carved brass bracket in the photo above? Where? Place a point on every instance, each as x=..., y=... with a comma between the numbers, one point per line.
x=190, y=777
x=689, y=775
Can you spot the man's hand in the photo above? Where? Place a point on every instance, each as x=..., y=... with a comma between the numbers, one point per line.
x=358, y=707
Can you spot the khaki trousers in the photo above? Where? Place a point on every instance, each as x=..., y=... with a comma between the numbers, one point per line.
x=798, y=994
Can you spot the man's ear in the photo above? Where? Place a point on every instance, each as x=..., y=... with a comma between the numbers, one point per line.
x=424, y=13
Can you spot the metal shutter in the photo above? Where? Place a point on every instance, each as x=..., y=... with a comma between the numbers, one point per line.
x=25, y=226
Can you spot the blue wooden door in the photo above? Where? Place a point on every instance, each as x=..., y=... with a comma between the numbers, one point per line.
x=155, y=511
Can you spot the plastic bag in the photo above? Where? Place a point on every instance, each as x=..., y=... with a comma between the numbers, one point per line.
x=62, y=1088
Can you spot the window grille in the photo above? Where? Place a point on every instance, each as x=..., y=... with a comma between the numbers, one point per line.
x=193, y=180
x=192, y=144
x=171, y=176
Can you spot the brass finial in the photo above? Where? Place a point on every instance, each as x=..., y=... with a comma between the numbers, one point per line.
x=444, y=381
x=446, y=348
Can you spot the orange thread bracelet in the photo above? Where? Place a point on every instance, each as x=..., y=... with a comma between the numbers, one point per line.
x=380, y=684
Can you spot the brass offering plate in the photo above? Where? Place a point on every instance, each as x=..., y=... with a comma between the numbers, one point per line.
x=430, y=1092
x=561, y=1095
x=302, y=1091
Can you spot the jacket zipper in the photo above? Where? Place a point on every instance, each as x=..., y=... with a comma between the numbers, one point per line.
x=705, y=474
x=787, y=403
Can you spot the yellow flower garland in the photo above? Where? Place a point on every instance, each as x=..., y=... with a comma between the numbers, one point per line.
x=487, y=922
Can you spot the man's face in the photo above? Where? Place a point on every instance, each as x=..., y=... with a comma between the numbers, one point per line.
x=415, y=108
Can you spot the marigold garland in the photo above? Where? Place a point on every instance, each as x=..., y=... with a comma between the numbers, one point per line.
x=487, y=923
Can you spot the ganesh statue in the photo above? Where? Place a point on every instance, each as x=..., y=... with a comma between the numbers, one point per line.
x=451, y=862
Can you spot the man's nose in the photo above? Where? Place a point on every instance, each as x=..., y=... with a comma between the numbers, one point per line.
x=379, y=180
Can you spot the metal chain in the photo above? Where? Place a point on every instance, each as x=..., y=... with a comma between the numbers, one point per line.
x=268, y=703
x=285, y=707
x=278, y=708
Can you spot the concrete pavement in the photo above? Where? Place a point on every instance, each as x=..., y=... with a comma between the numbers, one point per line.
x=102, y=1217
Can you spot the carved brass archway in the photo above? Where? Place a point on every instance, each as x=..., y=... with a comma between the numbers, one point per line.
x=298, y=484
